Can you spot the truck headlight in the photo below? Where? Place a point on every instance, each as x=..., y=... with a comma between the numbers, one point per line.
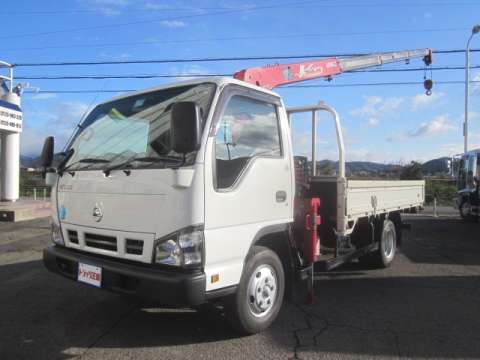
x=184, y=248
x=168, y=252
x=57, y=236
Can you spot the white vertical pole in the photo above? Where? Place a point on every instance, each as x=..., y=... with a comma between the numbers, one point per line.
x=10, y=159
x=10, y=176
x=314, y=143
x=467, y=81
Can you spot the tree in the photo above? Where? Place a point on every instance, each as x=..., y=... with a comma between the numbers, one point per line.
x=412, y=171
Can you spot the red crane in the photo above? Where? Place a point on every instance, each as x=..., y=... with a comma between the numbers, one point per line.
x=272, y=76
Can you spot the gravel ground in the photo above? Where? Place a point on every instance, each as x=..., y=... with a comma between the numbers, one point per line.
x=425, y=306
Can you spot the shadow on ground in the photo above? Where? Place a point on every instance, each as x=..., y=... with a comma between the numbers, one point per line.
x=44, y=316
x=443, y=241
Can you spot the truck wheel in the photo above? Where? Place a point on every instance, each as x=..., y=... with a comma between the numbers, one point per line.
x=260, y=293
x=465, y=210
x=385, y=254
x=388, y=245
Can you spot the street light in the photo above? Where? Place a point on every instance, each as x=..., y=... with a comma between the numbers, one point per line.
x=475, y=30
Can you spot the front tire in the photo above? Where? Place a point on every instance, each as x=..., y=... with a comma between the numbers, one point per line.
x=465, y=210
x=259, y=296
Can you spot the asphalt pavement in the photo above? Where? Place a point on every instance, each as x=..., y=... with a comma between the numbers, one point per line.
x=425, y=306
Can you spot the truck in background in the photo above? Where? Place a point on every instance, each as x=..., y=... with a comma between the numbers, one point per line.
x=467, y=200
x=190, y=193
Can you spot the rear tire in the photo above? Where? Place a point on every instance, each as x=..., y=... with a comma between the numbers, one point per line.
x=384, y=255
x=259, y=296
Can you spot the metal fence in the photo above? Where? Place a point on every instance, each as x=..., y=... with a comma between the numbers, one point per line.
x=35, y=192
x=440, y=191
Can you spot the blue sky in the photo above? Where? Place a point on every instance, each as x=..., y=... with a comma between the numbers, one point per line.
x=382, y=123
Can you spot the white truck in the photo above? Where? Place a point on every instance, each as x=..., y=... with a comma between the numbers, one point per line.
x=190, y=193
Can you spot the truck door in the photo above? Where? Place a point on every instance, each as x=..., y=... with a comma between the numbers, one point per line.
x=248, y=179
x=471, y=165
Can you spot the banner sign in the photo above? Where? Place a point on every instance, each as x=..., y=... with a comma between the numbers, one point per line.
x=10, y=117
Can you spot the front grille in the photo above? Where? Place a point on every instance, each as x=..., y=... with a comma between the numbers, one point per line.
x=101, y=241
x=73, y=236
x=134, y=247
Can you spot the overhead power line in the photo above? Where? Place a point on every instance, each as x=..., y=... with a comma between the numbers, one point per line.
x=158, y=9
x=159, y=76
x=233, y=38
x=114, y=9
x=182, y=17
x=451, y=82
x=86, y=91
x=213, y=59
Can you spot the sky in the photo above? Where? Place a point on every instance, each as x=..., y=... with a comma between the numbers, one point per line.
x=388, y=123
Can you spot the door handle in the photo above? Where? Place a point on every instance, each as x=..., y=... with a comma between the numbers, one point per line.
x=280, y=196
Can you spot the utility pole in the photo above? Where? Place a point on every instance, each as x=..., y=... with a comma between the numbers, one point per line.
x=475, y=30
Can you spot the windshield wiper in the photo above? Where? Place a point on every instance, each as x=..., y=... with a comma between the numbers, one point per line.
x=128, y=163
x=86, y=161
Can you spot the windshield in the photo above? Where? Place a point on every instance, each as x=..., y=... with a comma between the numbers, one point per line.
x=134, y=127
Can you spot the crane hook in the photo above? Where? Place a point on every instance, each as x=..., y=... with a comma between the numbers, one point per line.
x=428, y=84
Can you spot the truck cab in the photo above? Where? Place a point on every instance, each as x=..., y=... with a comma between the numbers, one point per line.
x=168, y=191
x=468, y=180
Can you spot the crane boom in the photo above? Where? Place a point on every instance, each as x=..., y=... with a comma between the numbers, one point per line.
x=273, y=76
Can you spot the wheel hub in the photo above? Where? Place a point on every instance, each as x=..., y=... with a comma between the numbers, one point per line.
x=389, y=244
x=262, y=290
x=466, y=208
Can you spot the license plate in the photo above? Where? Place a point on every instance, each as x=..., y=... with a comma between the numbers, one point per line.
x=90, y=274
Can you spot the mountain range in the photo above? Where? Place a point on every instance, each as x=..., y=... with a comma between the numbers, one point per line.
x=435, y=166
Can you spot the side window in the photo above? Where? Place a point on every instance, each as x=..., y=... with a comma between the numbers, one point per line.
x=248, y=128
x=462, y=174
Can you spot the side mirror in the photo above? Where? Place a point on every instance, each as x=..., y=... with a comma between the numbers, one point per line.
x=47, y=152
x=185, y=123
x=51, y=178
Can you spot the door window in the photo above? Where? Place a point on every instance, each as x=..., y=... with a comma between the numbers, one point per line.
x=247, y=129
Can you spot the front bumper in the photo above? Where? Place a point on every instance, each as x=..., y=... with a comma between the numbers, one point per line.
x=171, y=288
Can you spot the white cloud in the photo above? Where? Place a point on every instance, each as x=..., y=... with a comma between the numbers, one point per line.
x=451, y=149
x=31, y=141
x=107, y=7
x=302, y=146
x=69, y=112
x=372, y=122
x=117, y=57
x=364, y=154
x=155, y=6
x=43, y=96
x=173, y=23
x=376, y=107
x=396, y=137
x=59, y=121
x=439, y=125
x=422, y=100
x=476, y=86
x=188, y=72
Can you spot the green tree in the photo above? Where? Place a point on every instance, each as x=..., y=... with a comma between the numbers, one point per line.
x=412, y=171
